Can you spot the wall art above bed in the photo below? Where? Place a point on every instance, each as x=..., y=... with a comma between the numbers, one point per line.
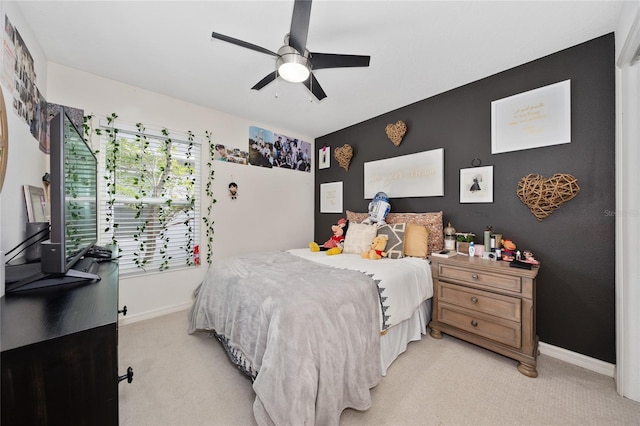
x=533, y=119
x=331, y=197
x=413, y=175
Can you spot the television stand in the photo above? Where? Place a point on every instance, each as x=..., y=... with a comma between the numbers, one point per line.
x=59, y=354
x=29, y=277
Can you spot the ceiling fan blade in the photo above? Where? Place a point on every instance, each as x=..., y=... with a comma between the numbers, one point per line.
x=266, y=80
x=332, y=60
x=242, y=43
x=312, y=84
x=300, y=25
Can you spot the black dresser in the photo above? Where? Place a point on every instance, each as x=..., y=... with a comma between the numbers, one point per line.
x=60, y=353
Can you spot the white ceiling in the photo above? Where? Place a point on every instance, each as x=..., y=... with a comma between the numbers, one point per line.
x=418, y=49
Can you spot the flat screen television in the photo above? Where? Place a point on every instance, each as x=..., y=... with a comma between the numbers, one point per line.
x=74, y=223
x=74, y=210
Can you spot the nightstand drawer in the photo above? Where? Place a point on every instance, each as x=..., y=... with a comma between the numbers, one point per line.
x=498, y=281
x=496, y=329
x=486, y=302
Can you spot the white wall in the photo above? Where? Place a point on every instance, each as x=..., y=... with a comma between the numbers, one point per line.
x=26, y=163
x=274, y=208
x=628, y=203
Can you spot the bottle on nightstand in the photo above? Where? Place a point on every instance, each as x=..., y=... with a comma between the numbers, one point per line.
x=472, y=249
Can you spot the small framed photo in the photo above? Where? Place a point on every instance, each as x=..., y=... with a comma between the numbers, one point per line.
x=34, y=198
x=476, y=185
x=324, y=157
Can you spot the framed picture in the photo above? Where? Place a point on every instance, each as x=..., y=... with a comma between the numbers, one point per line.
x=533, y=119
x=331, y=197
x=476, y=185
x=413, y=175
x=324, y=157
x=34, y=198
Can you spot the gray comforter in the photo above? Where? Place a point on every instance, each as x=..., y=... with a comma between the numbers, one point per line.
x=308, y=334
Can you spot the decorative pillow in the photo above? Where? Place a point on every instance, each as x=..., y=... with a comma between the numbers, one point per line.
x=359, y=238
x=395, y=243
x=433, y=222
x=416, y=240
x=353, y=217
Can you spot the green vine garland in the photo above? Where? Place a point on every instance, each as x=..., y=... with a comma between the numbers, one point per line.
x=163, y=213
x=208, y=221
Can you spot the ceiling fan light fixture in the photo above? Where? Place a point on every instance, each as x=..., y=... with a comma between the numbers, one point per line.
x=292, y=66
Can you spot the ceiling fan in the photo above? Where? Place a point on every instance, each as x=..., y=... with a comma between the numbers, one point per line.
x=294, y=62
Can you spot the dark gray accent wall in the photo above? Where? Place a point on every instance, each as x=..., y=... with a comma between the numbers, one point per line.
x=576, y=291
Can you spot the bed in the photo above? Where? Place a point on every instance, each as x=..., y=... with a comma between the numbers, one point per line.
x=314, y=332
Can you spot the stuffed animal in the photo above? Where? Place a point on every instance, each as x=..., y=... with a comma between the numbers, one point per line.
x=377, y=248
x=335, y=244
x=379, y=208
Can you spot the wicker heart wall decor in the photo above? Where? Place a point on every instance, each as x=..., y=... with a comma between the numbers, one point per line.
x=343, y=155
x=544, y=196
x=395, y=132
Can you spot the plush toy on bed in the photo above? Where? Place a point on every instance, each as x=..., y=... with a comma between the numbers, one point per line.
x=335, y=244
x=377, y=248
x=379, y=208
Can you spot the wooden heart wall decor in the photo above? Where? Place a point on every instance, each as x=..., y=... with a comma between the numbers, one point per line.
x=544, y=196
x=343, y=155
x=395, y=132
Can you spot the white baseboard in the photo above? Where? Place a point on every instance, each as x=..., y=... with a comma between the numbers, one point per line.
x=578, y=359
x=130, y=319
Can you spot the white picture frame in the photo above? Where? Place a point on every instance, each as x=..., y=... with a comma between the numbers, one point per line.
x=412, y=175
x=35, y=201
x=533, y=119
x=331, y=197
x=476, y=185
x=324, y=158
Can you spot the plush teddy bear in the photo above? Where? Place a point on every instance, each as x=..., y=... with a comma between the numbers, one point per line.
x=377, y=248
x=335, y=244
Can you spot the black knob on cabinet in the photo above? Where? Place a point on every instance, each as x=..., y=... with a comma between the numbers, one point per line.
x=128, y=376
x=123, y=311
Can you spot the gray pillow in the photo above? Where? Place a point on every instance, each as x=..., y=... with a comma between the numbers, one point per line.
x=395, y=244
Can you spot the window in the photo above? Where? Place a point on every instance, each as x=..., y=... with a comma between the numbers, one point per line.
x=149, y=197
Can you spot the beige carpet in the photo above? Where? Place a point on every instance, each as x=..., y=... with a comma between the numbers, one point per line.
x=180, y=379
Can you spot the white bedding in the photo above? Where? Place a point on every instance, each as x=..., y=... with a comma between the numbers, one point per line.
x=403, y=283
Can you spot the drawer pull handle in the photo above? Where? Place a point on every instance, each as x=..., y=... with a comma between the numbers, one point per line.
x=128, y=377
x=474, y=276
x=474, y=323
x=474, y=299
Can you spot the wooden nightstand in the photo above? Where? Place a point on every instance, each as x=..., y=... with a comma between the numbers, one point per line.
x=487, y=303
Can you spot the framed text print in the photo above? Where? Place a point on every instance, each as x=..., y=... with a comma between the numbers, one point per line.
x=533, y=119
x=331, y=197
x=413, y=175
x=476, y=185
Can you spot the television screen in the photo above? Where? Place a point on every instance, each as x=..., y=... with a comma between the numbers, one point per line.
x=80, y=188
x=74, y=223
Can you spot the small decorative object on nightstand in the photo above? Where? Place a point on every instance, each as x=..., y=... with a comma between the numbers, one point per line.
x=449, y=237
x=488, y=304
